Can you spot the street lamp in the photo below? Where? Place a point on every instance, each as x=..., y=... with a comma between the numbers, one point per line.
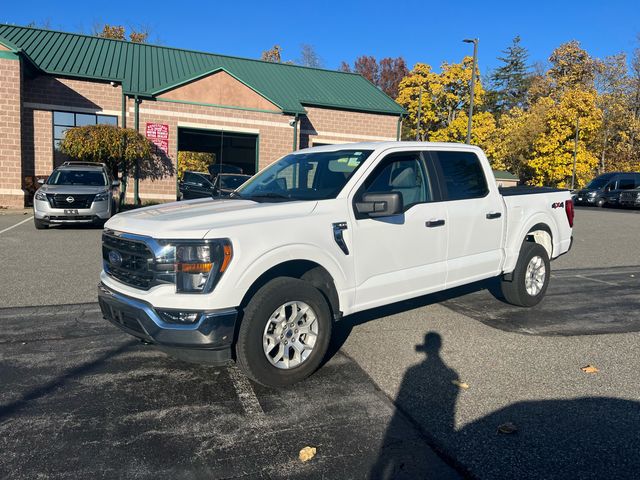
x=473, y=83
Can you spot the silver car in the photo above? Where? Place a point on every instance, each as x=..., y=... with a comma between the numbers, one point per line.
x=76, y=192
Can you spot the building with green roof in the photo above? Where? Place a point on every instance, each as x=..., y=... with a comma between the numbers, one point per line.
x=246, y=112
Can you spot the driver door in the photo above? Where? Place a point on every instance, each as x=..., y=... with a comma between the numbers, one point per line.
x=404, y=255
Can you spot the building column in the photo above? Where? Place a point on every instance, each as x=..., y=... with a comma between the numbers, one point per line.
x=11, y=192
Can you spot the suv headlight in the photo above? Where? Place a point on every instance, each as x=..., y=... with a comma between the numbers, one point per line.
x=199, y=265
x=40, y=195
x=591, y=194
x=101, y=197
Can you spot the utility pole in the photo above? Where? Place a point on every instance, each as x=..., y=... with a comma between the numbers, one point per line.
x=473, y=83
x=575, y=152
x=419, y=114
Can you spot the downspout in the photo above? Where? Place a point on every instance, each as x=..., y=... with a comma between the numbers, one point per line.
x=136, y=184
x=399, y=128
x=295, y=132
x=123, y=165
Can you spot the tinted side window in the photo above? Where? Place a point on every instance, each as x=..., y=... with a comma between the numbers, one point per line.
x=403, y=173
x=463, y=175
x=626, y=184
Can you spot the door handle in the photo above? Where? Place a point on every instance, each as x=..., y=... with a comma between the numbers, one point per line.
x=434, y=223
x=491, y=216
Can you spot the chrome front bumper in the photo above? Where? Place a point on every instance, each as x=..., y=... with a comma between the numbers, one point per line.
x=214, y=330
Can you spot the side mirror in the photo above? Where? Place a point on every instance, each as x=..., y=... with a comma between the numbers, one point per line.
x=380, y=204
x=41, y=181
x=115, y=183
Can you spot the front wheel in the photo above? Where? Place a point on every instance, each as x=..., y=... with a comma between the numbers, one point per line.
x=530, y=278
x=40, y=225
x=600, y=202
x=284, y=334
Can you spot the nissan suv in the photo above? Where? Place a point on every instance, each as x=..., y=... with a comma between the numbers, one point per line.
x=74, y=193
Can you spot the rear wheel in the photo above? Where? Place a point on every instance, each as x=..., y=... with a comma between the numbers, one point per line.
x=530, y=278
x=40, y=225
x=284, y=334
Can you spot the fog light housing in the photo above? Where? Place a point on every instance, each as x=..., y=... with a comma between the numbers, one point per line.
x=179, y=317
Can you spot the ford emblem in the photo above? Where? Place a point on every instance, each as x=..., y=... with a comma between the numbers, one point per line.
x=115, y=258
x=70, y=199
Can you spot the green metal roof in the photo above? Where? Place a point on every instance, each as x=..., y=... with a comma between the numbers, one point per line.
x=148, y=70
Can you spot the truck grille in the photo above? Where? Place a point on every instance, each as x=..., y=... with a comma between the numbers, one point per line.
x=70, y=200
x=629, y=197
x=128, y=261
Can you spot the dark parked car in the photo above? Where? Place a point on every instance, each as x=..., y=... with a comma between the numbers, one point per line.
x=605, y=189
x=225, y=183
x=630, y=198
x=199, y=184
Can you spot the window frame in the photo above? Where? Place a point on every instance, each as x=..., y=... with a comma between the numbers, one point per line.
x=55, y=139
x=432, y=180
x=444, y=191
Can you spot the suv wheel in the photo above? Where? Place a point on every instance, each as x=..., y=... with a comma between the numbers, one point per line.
x=285, y=332
x=530, y=278
x=600, y=202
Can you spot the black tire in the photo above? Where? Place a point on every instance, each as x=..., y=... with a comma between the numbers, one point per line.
x=249, y=348
x=515, y=291
x=40, y=225
x=600, y=202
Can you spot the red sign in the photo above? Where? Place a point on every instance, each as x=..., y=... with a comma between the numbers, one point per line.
x=158, y=133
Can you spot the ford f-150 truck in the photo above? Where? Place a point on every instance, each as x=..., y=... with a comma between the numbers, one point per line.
x=324, y=232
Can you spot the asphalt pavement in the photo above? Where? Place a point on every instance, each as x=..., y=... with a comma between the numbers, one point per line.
x=437, y=374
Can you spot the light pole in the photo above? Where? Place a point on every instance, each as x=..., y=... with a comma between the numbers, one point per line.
x=473, y=83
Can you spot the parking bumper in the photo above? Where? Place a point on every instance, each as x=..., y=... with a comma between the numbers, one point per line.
x=213, y=331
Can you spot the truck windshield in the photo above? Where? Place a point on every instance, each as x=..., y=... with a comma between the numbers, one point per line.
x=78, y=177
x=304, y=176
x=599, y=182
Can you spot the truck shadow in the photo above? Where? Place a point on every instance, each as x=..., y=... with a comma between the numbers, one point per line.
x=342, y=329
x=586, y=437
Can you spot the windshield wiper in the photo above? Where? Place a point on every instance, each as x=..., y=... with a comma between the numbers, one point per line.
x=269, y=195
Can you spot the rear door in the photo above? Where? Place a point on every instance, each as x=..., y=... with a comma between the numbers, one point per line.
x=475, y=213
x=400, y=256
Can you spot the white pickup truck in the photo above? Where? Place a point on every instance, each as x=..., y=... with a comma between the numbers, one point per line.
x=322, y=233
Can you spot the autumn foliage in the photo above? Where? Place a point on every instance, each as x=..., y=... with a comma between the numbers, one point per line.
x=526, y=121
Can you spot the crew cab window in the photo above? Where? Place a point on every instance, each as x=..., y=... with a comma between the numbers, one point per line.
x=463, y=175
x=404, y=173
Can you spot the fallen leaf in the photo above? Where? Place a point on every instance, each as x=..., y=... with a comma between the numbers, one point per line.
x=589, y=369
x=307, y=453
x=507, y=428
x=460, y=384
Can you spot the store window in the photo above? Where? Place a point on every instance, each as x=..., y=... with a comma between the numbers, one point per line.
x=63, y=121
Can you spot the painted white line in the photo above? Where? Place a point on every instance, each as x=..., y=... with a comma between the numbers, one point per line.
x=245, y=392
x=16, y=225
x=597, y=280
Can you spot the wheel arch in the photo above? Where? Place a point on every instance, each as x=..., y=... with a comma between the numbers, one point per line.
x=302, y=269
x=541, y=234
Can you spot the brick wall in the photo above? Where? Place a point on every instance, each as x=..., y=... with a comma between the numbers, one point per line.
x=340, y=126
x=11, y=194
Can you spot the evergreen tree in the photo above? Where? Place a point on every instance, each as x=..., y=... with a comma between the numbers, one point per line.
x=511, y=80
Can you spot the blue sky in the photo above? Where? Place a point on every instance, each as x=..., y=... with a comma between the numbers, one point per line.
x=420, y=31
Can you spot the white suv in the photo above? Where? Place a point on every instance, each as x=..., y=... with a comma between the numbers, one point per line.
x=76, y=192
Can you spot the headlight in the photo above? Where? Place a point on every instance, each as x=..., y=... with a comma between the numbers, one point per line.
x=40, y=195
x=199, y=265
x=101, y=197
x=591, y=194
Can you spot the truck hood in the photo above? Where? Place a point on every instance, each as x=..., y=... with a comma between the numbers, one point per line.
x=195, y=218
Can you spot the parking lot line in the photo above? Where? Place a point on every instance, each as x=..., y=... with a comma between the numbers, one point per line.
x=245, y=392
x=596, y=280
x=16, y=225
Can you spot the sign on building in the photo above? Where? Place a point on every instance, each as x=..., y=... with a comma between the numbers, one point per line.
x=158, y=133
